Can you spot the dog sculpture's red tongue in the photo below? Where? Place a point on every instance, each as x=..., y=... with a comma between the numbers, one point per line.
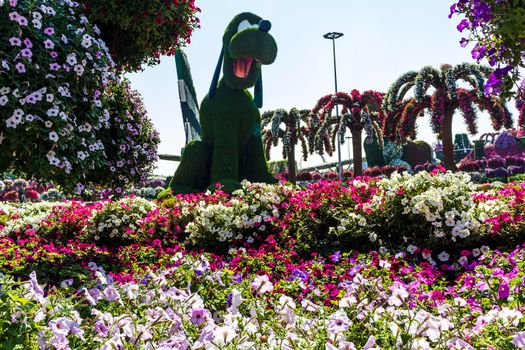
x=241, y=67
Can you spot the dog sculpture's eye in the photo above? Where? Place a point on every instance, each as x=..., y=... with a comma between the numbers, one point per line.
x=245, y=25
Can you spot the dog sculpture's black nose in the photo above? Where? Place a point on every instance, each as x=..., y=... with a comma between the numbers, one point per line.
x=265, y=25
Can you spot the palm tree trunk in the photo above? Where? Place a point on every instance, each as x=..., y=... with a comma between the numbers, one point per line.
x=292, y=172
x=358, y=156
x=447, y=139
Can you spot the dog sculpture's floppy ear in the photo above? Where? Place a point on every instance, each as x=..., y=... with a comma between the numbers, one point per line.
x=216, y=75
x=258, y=92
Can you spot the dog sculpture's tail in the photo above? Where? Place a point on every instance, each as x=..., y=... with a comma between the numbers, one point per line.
x=188, y=98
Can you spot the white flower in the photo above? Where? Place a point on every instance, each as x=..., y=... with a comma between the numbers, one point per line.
x=347, y=301
x=223, y=335
x=411, y=249
x=399, y=294
x=53, y=136
x=262, y=284
x=443, y=256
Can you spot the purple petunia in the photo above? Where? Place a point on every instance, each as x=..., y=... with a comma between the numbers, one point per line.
x=48, y=44
x=49, y=31
x=15, y=41
x=20, y=67
x=464, y=24
x=26, y=53
x=28, y=43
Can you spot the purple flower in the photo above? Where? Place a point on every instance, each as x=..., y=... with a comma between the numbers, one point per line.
x=15, y=41
x=20, y=67
x=237, y=277
x=111, y=293
x=13, y=16
x=28, y=43
x=13, y=3
x=48, y=44
x=463, y=24
x=503, y=291
x=478, y=52
x=336, y=257
x=26, y=53
x=53, y=54
x=300, y=274
x=49, y=31
x=199, y=316
x=101, y=328
x=481, y=12
x=493, y=85
x=54, y=66
x=463, y=42
x=22, y=21
x=453, y=9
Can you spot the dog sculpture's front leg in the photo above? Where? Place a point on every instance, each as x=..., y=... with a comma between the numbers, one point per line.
x=225, y=159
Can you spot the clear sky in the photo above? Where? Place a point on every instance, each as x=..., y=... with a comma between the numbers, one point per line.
x=382, y=40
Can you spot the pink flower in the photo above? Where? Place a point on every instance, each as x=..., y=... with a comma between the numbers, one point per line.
x=13, y=3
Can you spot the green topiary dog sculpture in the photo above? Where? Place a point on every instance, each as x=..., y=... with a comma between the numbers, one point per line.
x=231, y=148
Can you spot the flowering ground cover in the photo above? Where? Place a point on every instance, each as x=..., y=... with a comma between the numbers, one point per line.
x=425, y=261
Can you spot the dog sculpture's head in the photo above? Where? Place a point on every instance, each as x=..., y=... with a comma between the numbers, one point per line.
x=247, y=45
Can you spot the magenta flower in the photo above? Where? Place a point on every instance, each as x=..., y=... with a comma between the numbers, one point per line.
x=503, y=291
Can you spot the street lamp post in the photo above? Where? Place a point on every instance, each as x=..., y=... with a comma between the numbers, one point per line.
x=332, y=36
x=348, y=138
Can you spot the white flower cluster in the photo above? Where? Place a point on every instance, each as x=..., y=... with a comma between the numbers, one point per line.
x=443, y=200
x=117, y=219
x=240, y=218
x=22, y=217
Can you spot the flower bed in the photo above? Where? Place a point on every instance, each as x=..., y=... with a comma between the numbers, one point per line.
x=273, y=266
x=267, y=298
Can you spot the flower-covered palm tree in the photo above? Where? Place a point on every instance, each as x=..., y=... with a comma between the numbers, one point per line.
x=445, y=98
x=291, y=134
x=360, y=111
